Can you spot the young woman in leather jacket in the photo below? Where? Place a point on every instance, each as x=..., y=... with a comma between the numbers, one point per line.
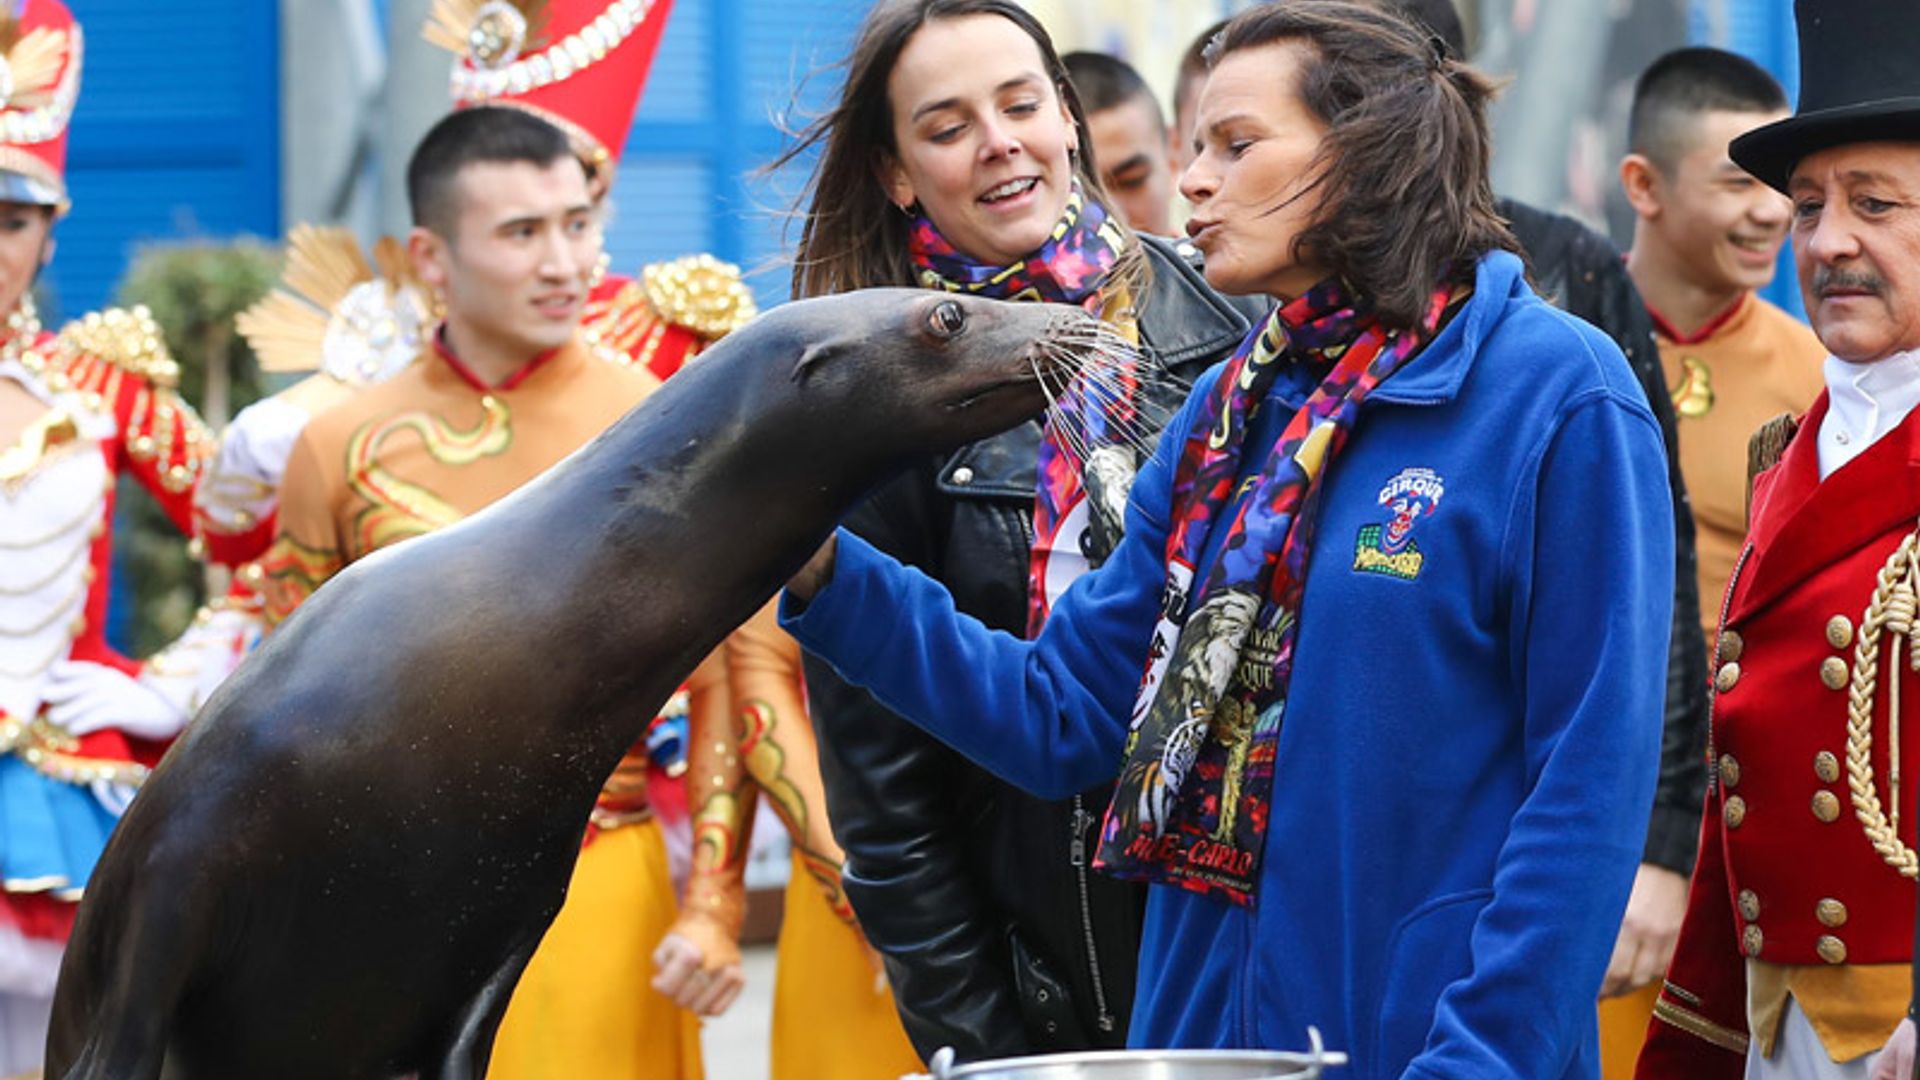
x=957, y=151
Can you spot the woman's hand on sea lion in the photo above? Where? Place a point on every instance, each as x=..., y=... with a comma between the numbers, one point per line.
x=698, y=967
x=816, y=575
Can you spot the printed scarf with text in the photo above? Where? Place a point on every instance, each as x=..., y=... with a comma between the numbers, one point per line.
x=1194, y=792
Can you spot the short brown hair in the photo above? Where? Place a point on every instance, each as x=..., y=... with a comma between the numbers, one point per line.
x=1405, y=194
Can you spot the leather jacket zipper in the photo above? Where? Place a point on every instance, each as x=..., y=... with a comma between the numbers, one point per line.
x=1078, y=856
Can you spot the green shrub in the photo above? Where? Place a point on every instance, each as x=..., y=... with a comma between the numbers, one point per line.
x=194, y=290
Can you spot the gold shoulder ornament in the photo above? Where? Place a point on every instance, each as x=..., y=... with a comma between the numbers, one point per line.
x=126, y=338
x=701, y=293
x=1766, y=447
x=356, y=321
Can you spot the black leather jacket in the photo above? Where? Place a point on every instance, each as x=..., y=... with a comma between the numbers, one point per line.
x=999, y=939
x=1581, y=271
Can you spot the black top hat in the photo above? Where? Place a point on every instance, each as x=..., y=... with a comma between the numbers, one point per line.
x=1859, y=82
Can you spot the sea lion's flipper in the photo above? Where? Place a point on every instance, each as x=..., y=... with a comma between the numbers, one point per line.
x=471, y=1046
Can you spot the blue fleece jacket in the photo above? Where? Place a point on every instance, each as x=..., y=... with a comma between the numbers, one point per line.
x=1472, y=730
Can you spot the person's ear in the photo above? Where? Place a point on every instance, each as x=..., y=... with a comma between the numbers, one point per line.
x=895, y=182
x=1640, y=179
x=429, y=255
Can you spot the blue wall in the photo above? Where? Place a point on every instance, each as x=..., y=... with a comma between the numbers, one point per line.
x=176, y=135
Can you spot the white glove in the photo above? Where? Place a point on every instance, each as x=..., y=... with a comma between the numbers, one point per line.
x=84, y=697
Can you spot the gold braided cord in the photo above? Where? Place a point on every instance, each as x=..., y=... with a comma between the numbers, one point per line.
x=1700, y=1027
x=1892, y=609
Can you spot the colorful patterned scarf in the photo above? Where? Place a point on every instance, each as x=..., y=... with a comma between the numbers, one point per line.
x=1193, y=797
x=1075, y=520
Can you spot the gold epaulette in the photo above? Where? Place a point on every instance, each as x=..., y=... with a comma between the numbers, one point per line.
x=1766, y=447
x=127, y=339
x=700, y=293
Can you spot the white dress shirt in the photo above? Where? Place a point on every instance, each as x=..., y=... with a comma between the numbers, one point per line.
x=1865, y=401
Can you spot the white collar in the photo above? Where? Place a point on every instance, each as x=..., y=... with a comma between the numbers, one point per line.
x=1864, y=402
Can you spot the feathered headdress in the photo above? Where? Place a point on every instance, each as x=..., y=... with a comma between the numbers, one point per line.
x=332, y=310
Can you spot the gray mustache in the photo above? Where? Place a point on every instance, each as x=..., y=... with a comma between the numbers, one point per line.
x=1825, y=278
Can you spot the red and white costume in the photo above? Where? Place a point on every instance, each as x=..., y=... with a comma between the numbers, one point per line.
x=79, y=723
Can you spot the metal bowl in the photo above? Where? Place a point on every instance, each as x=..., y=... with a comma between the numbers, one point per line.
x=1145, y=1065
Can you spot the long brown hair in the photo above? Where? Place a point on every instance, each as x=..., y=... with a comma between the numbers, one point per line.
x=1404, y=176
x=851, y=235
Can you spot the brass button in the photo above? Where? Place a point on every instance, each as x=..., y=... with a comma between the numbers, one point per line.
x=1839, y=632
x=1729, y=770
x=1749, y=904
x=1826, y=766
x=1731, y=646
x=1728, y=677
x=1833, y=672
x=1736, y=812
x=1831, y=949
x=1830, y=912
x=1751, y=939
x=1826, y=806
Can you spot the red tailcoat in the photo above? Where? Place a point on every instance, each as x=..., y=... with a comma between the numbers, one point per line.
x=1788, y=872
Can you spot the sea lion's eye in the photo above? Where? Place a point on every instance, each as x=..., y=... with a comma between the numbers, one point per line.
x=948, y=319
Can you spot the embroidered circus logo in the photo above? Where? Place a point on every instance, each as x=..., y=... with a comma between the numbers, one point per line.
x=1390, y=548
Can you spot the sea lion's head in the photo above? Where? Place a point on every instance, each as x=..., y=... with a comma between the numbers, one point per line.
x=828, y=396
x=941, y=369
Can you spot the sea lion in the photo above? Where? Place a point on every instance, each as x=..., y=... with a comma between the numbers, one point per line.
x=342, y=867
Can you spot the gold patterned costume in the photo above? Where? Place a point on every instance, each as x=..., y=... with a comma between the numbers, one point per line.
x=833, y=1018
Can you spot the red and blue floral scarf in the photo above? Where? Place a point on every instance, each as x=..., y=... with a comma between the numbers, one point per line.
x=1193, y=797
x=1072, y=267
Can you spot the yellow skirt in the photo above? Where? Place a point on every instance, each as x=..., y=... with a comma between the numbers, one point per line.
x=828, y=1023
x=585, y=1008
x=1623, y=1028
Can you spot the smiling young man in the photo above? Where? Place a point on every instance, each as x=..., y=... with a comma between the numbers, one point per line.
x=507, y=237
x=1706, y=238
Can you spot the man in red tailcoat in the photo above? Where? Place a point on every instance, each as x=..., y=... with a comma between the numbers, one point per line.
x=1793, y=960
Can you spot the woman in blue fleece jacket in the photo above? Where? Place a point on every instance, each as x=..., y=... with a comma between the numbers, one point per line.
x=1380, y=658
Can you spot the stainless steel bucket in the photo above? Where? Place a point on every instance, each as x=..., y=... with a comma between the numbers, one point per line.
x=1145, y=1065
